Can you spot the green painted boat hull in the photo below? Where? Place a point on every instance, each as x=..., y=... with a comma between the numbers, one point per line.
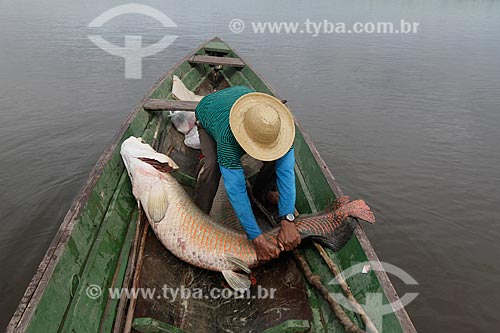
x=94, y=242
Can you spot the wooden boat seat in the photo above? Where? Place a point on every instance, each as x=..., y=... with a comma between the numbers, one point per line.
x=211, y=60
x=154, y=104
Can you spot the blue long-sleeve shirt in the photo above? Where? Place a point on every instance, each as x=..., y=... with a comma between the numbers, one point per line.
x=234, y=181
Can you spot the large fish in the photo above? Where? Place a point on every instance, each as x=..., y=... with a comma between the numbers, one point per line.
x=196, y=238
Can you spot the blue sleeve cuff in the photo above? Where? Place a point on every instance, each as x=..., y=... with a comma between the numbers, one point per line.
x=285, y=180
x=234, y=181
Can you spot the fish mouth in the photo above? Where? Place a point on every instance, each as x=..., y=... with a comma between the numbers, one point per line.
x=160, y=166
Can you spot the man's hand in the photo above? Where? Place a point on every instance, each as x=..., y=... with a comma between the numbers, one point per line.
x=265, y=249
x=288, y=235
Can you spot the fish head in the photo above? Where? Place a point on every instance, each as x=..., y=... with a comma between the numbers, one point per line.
x=148, y=171
x=135, y=148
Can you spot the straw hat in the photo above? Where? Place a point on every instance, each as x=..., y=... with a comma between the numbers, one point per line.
x=262, y=125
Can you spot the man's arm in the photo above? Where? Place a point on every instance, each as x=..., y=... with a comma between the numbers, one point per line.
x=288, y=235
x=234, y=181
x=285, y=179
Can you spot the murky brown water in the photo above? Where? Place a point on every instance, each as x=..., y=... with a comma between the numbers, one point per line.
x=407, y=122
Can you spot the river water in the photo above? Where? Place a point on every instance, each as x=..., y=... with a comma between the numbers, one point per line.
x=408, y=122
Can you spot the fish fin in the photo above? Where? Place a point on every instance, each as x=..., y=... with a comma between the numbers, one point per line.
x=239, y=263
x=332, y=244
x=157, y=202
x=340, y=201
x=358, y=209
x=339, y=237
x=236, y=281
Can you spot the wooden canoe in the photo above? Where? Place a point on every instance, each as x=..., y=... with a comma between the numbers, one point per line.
x=103, y=241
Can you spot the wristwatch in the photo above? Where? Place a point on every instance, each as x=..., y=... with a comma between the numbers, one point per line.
x=288, y=217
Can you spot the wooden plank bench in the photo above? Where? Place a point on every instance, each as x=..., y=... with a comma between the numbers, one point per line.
x=153, y=104
x=211, y=60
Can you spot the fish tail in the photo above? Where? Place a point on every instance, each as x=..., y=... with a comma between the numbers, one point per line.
x=334, y=229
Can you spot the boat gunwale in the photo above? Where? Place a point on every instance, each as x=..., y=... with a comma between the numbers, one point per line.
x=34, y=291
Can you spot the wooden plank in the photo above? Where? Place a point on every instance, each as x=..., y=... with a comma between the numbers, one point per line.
x=154, y=104
x=111, y=311
x=211, y=60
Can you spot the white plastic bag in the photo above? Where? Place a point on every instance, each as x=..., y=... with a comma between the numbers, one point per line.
x=183, y=120
x=192, y=139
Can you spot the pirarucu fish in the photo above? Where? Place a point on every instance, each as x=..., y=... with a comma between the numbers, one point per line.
x=196, y=238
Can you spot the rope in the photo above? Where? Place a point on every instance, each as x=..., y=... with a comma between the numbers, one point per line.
x=315, y=280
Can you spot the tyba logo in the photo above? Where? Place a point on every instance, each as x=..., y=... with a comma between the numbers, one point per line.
x=133, y=52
